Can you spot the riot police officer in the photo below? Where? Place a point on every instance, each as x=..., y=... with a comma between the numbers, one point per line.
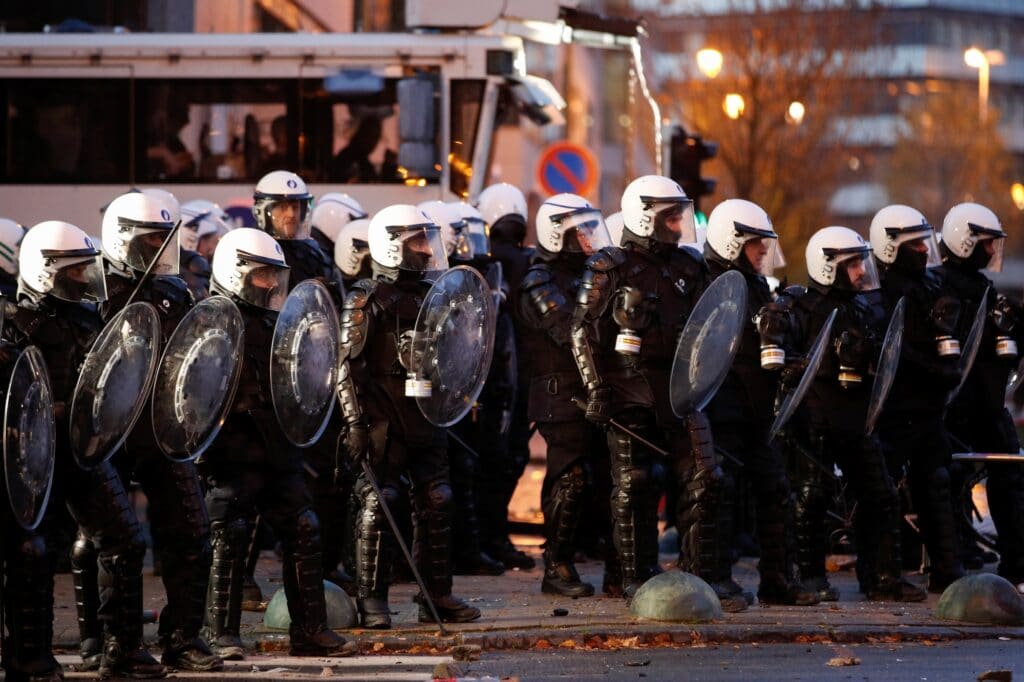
x=135, y=227
x=972, y=242
x=383, y=422
x=352, y=251
x=61, y=271
x=569, y=231
x=832, y=430
x=11, y=234
x=911, y=427
x=740, y=237
x=203, y=223
x=194, y=268
x=503, y=209
x=631, y=306
x=331, y=213
x=252, y=467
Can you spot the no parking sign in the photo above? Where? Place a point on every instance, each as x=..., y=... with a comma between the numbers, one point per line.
x=567, y=167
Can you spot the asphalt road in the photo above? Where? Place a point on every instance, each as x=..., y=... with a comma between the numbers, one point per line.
x=964, y=660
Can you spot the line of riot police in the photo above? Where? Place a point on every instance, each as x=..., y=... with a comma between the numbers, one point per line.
x=645, y=365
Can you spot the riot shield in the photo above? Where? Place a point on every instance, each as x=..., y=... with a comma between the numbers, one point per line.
x=970, y=347
x=708, y=344
x=114, y=383
x=792, y=401
x=452, y=345
x=304, y=362
x=495, y=277
x=29, y=438
x=888, y=361
x=197, y=378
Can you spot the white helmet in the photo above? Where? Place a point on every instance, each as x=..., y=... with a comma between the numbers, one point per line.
x=402, y=236
x=500, y=200
x=967, y=224
x=200, y=218
x=839, y=257
x=170, y=201
x=281, y=205
x=567, y=222
x=896, y=225
x=249, y=265
x=732, y=224
x=650, y=202
x=454, y=234
x=614, y=224
x=333, y=211
x=11, y=234
x=479, y=230
x=135, y=227
x=352, y=247
x=59, y=259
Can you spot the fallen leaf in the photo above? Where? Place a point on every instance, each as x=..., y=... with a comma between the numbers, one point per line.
x=378, y=646
x=326, y=672
x=542, y=644
x=996, y=676
x=840, y=661
x=567, y=644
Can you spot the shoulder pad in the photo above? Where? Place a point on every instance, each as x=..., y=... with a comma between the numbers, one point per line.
x=198, y=265
x=608, y=258
x=536, y=276
x=355, y=321
x=359, y=295
x=793, y=292
x=174, y=288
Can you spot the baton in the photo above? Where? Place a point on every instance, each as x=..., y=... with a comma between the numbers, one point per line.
x=473, y=453
x=401, y=543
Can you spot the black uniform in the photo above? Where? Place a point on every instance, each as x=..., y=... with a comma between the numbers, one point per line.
x=649, y=288
x=8, y=285
x=741, y=416
x=978, y=417
x=545, y=306
x=251, y=468
x=830, y=431
x=500, y=474
x=911, y=427
x=179, y=524
x=96, y=498
x=377, y=321
x=195, y=270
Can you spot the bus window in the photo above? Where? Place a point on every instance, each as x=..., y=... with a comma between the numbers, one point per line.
x=60, y=130
x=214, y=130
x=467, y=99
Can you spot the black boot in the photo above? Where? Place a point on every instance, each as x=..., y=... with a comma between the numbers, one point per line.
x=188, y=653
x=326, y=643
x=778, y=590
x=224, y=597
x=897, y=589
x=132, y=662
x=450, y=608
x=562, y=510
x=84, y=575
x=611, y=581
x=821, y=587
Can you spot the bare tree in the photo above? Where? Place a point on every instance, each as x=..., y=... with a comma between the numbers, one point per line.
x=945, y=155
x=777, y=52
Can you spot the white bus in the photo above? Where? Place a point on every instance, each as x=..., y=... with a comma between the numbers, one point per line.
x=399, y=117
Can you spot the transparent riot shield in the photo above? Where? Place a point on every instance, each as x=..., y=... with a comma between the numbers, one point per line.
x=29, y=438
x=888, y=362
x=796, y=396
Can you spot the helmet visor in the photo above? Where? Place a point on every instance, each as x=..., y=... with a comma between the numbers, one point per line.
x=265, y=286
x=919, y=238
x=762, y=254
x=420, y=246
x=144, y=243
x=856, y=270
x=289, y=218
x=352, y=262
x=583, y=231
x=994, y=247
x=674, y=221
x=80, y=279
x=479, y=237
x=462, y=246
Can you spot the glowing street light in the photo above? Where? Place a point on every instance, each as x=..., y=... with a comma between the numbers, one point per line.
x=1017, y=194
x=734, y=105
x=795, y=113
x=709, y=61
x=982, y=60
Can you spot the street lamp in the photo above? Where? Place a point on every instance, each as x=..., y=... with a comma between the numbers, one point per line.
x=1017, y=194
x=795, y=113
x=734, y=105
x=979, y=59
x=709, y=61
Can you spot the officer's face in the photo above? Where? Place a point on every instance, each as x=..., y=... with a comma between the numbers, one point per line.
x=918, y=245
x=285, y=216
x=856, y=268
x=417, y=253
x=756, y=250
x=990, y=247
x=76, y=273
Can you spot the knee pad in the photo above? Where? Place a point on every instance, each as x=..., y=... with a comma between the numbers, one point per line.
x=437, y=496
x=83, y=550
x=231, y=534
x=32, y=549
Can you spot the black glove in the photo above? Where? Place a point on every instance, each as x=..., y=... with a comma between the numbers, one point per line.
x=357, y=441
x=945, y=314
x=853, y=350
x=599, y=405
x=1006, y=315
x=773, y=323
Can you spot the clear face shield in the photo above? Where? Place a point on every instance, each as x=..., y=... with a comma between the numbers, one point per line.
x=263, y=285
x=356, y=257
x=761, y=254
x=479, y=237
x=289, y=218
x=144, y=243
x=462, y=245
x=583, y=231
x=922, y=241
x=993, y=242
x=78, y=276
x=420, y=246
x=674, y=221
x=855, y=269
